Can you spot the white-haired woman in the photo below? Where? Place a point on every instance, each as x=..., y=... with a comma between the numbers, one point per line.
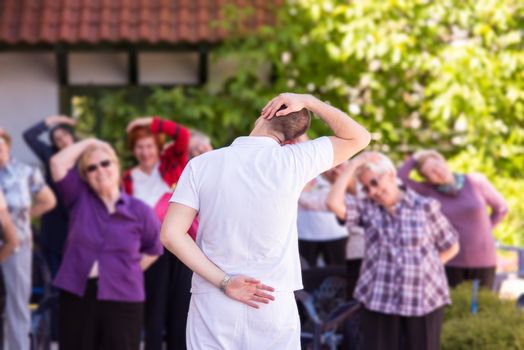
x=402, y=284
x=465, y=199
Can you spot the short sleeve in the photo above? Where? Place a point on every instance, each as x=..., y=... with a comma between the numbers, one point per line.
x=312, y=157
x=36, y=181
x=444, y=234
x=70, y=188
x=150, y=241
x=186, y=192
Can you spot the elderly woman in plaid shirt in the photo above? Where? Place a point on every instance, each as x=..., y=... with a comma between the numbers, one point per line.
x=402, y=284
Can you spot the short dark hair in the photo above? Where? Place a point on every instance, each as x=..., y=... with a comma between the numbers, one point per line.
x=291, y=125
x=64, y=127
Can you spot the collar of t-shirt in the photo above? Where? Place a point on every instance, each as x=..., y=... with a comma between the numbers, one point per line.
x=254, y=141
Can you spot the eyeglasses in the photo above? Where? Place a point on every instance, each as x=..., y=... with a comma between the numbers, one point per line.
x=373, y=183
x=93, y=167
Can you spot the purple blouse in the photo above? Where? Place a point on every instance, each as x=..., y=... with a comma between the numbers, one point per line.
x=116, y=240
x=468, y=213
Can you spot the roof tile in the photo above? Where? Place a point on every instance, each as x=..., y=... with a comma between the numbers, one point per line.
x=150, y=21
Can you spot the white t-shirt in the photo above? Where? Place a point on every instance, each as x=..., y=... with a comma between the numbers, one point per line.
x=148, y=188
x=246, y=195
x=319, y=224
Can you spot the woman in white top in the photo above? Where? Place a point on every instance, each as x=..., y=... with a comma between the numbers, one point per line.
x=319, y=232
x=152, y=180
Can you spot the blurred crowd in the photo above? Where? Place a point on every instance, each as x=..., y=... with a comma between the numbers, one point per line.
x=405, y=236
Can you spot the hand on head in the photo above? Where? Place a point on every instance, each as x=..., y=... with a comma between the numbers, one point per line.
x=59, y=119
x=141, y=121
x=425, y=153
x=292, y=103
x=249, y=291
x=367, y=156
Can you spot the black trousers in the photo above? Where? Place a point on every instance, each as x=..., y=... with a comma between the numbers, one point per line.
x=89, y=324
x=168, y=282
x=333, y=251
x=353, y=273
x=457, y=275
x=392, y=332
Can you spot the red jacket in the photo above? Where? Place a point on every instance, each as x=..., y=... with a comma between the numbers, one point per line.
x=173, y=159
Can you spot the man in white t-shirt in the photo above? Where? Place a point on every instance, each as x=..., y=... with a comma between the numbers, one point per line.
x=246, y=197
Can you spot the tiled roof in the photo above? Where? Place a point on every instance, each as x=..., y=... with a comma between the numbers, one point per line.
x=133, y=21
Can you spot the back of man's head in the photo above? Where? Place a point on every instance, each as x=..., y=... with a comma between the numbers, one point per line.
x=291, y=125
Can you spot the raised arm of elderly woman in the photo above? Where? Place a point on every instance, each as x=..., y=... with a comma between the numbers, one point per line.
x=344, y=184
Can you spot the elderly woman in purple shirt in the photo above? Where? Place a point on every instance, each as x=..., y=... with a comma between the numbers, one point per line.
x=402, y=283
x=112, y=238
x=464, y=199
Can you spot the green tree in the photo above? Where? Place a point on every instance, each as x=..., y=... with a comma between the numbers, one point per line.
x=445, y=74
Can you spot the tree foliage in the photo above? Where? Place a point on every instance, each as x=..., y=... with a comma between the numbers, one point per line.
x=444, y=74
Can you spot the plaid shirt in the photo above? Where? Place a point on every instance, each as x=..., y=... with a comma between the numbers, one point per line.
x=402, y=273
x=20, y=183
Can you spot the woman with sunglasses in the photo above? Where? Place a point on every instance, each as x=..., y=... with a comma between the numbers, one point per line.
x=465, y=199
x=112, y=238
x=152, y=180
x=402, y=283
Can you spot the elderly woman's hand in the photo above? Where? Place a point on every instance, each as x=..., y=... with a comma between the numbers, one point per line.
x=364, y=157
x=142, y=121
x=424, y=153
x=53, y=120
x=249, y=291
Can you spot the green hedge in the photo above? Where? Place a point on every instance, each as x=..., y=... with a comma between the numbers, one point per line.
x=498, y=325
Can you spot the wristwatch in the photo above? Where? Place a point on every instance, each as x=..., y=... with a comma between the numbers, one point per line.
x=224, y=282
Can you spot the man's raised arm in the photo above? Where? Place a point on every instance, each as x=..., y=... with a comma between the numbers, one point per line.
x=349, y=136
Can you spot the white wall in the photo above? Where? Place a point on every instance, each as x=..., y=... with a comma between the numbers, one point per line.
x=28, y=93
x=29, y=89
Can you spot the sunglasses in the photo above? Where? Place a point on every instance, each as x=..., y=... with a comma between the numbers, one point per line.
x=93, y=167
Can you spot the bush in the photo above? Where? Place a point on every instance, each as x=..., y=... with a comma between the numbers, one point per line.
x=497, y=325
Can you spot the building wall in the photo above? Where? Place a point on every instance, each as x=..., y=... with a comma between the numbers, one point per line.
x=28, y=93
x=29, y=89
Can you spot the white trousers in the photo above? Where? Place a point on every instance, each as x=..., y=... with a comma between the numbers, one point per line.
x=218, y=322
x=17, y=275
